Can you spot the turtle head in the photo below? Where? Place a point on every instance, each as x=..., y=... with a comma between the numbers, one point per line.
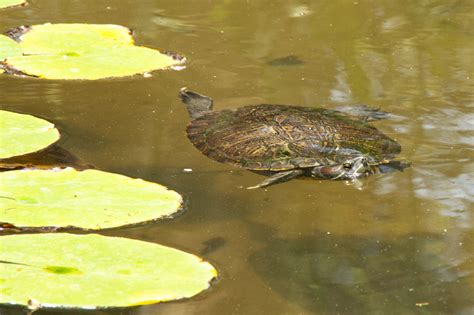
x=351, y=168
x=196, y=104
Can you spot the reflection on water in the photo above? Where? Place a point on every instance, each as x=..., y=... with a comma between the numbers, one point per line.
x=340, y=275
x=403, y=245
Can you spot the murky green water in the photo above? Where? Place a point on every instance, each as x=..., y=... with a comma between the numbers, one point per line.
x=403, y=245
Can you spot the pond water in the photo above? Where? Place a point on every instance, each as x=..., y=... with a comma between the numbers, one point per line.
x=402, y=245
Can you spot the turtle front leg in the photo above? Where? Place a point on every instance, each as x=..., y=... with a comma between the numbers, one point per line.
x=279, y=177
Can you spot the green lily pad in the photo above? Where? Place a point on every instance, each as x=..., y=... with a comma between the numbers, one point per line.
x=10, y=3
x=9, y=48
x=85, y=51
x=87, y=199
x=21, y=134
x=91, y=271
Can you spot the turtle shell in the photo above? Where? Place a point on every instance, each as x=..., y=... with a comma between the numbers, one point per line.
x=283, y=137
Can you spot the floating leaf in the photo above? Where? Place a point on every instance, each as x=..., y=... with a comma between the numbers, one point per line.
x=21, y=134
x=9, y=48
x=91, y=271
x=85, y=51
x=87, y=199
x=10, y=3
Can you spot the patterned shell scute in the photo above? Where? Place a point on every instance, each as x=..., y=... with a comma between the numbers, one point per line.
x=284, y=137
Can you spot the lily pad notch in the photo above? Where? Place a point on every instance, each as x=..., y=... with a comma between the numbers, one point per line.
x=83, y=51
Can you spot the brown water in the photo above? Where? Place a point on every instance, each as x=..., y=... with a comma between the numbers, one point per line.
x=403, y=245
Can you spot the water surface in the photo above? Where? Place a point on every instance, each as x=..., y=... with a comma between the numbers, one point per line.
x=403, y=245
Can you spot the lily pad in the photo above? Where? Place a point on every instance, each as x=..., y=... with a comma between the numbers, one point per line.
x=9, y=48
x=91, y=271
x=87, y=199
x=85, y=51
x=10, y=3
x=21, y=134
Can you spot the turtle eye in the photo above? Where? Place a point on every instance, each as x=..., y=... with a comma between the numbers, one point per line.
x=347, y=165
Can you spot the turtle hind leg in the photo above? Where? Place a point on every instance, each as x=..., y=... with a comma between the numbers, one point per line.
x=364, y=112
x=279, y=177
x=196, y=104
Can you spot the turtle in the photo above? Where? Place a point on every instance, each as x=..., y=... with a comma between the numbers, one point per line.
x=290, y=141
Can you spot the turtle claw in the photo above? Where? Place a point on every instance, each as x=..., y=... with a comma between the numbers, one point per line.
x=254, y=187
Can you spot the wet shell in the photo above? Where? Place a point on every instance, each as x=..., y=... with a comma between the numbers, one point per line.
x=283, y=137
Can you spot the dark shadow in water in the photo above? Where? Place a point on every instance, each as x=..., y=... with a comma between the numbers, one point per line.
x=290, y=60
x=328, y=274
x=52, y=156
